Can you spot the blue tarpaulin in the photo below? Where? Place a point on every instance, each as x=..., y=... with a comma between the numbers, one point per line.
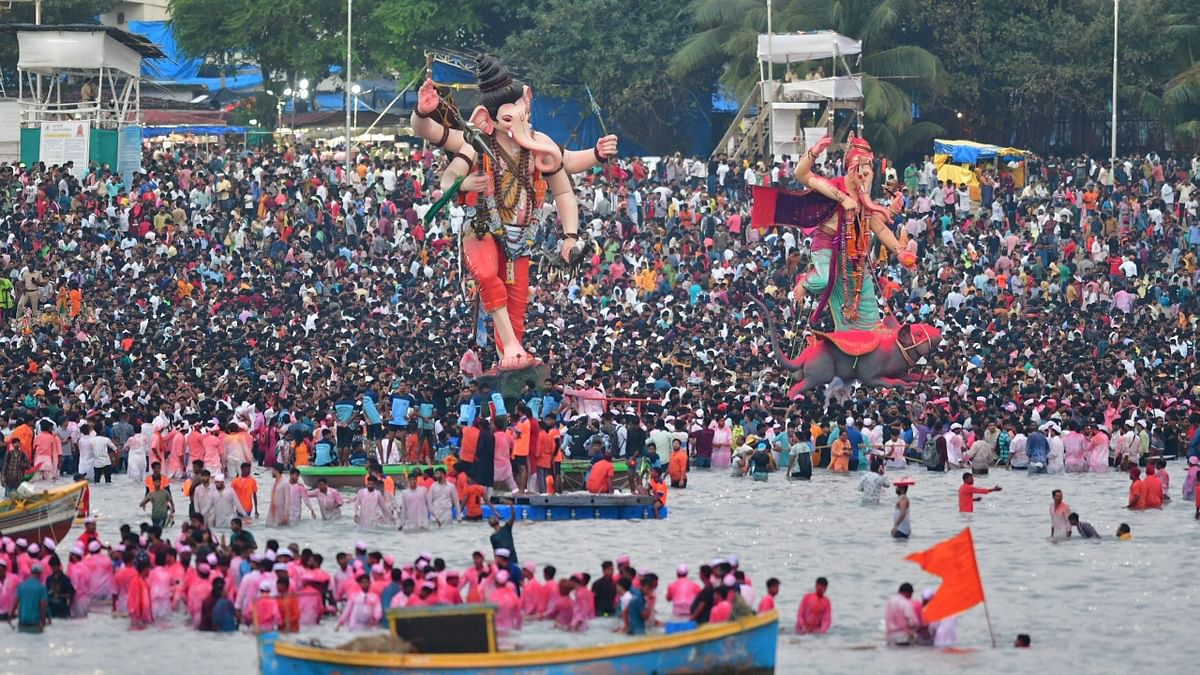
x=198, y=130
x=180, y=69
x=970, y=152
x=723, y=101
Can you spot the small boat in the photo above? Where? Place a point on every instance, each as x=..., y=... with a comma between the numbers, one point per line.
x=743, y=646
x=49, y=513
x=355, y=477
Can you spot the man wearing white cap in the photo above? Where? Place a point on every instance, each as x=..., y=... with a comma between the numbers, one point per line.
x=1125, y=446
x=226, y=505
x=1056, y=460
x=954, y=446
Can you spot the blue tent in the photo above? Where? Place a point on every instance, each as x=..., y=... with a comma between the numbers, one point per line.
x=179, y=69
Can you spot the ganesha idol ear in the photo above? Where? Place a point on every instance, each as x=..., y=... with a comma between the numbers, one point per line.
x=527, y=96
x=482, y=120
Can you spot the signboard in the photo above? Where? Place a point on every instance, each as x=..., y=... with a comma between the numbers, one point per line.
x=64, y=142
x=129, y=153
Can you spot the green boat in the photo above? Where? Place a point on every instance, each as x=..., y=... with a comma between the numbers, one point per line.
x=354, y=477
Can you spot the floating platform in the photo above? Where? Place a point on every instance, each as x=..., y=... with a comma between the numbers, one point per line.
x=574, y=506
x=571, y=474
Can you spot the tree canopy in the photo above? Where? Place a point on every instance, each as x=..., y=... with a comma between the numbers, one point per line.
x=570, y=46
x=1034, y=73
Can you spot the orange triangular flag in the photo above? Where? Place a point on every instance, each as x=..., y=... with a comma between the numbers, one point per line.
x=954, y=561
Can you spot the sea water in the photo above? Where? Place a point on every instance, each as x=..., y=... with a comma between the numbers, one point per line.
x=1090, y=607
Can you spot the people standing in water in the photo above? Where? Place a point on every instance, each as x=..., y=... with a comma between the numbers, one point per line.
x=816, y=612
x=968, y=493
x=901, y=527
x=1060, y=525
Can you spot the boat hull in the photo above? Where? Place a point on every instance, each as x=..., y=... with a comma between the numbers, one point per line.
x=51, y=514
x=745, y=646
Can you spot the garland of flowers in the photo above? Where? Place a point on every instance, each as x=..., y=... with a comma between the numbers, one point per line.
x=854, y=244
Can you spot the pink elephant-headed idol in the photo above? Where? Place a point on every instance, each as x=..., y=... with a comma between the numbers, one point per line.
x=841, y=217
x=511, y=180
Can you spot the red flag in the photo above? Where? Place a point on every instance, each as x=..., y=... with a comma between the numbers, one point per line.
x=954, y=561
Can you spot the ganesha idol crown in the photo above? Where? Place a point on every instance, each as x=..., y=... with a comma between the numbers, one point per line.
x=859, y=151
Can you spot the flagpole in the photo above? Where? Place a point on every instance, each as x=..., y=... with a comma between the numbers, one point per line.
x=988, y=615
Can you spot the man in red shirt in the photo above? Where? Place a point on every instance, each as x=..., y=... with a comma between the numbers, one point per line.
x=1137, y=491
x=816, y=613
x=1152, y=490
x=967, y=492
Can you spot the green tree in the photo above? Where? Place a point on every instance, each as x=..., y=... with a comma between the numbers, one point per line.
x=896, y=72
x=569, y=46
x=1037, y=73
x=286, y=38
x=1180, y=104
x=402, y=29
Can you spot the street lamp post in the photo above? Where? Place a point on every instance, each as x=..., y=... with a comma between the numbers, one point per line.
x=1116, y=25
x=349, y=33
x=356, y=90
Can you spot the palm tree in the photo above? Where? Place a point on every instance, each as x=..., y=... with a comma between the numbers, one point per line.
x=727, y=30
x=1181, y=98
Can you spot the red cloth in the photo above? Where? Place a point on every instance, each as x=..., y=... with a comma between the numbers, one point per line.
x=856, y=342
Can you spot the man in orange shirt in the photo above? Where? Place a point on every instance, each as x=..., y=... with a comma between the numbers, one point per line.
x=522, y=440
x=1152, y=492
x=677, y=466
x=473, y=503
x=547, y=446
x=840, y=451
x=23, y=433
x=600, y=480
x=246, y=489
x=301, y=452
x=658, y=490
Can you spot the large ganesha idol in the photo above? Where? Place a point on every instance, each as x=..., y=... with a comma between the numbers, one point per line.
x=840, y=216
x=507, y=169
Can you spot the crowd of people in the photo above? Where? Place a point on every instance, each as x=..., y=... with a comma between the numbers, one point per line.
x=226, y=582
x=258, y=293
x=232, y=306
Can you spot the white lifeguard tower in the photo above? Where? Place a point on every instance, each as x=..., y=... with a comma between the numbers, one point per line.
x=79, y=92
x=785, y=116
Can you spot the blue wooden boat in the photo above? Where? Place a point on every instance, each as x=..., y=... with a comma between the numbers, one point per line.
x=743, y=646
